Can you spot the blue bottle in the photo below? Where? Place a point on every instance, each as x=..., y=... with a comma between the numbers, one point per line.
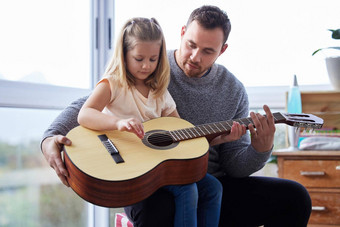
x=294, y=106
x=294, y=98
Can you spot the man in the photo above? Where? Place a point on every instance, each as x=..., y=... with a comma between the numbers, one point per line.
x=206, y=92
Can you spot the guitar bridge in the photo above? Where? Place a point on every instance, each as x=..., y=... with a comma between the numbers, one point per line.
x=111, y=148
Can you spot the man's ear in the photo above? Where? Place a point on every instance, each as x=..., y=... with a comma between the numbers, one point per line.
x=224, y=47
x=183, y=30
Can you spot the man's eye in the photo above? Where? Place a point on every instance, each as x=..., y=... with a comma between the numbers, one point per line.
x=192, y=46
x=207, y=52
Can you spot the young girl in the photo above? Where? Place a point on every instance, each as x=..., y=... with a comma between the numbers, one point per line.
x=134, y=90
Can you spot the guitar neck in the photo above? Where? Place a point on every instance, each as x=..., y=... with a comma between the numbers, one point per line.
x=212, y=130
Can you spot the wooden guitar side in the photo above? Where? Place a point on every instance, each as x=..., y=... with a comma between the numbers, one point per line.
x=95, y=176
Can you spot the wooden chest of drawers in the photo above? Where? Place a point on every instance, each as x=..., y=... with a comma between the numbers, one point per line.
x=319, y=172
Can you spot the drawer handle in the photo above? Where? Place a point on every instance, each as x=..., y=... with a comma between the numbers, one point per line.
x=312, y=173
x=318, y=208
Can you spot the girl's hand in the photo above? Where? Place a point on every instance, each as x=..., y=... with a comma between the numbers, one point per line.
x=131, y=125
x=237, y=130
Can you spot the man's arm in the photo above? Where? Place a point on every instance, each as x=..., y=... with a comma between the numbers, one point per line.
x=54, y=138
x=250, y=153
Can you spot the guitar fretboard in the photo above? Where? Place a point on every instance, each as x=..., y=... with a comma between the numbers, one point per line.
x=214, y=128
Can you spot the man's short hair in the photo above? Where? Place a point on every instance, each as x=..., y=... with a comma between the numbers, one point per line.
x=211, y=17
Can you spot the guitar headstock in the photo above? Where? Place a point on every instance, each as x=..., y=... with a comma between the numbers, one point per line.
x=307, y=121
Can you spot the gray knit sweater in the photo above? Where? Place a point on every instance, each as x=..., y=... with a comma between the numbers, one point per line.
x=218, y=96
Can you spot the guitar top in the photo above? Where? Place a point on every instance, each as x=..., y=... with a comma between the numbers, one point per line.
x=89, y=154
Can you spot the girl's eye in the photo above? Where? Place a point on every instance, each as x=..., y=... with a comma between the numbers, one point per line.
x=137, y=59
x=153, y=60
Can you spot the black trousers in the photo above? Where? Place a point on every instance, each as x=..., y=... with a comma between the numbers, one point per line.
x=249, y=201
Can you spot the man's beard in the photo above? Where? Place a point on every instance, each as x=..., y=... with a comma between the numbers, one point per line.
x=192, y=73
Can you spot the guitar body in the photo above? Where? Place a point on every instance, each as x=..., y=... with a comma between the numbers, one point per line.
x=96, y=177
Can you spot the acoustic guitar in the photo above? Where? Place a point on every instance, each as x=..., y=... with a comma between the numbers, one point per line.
x=116, y=169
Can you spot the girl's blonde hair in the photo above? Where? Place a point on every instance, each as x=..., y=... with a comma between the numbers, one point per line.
x=135, y=30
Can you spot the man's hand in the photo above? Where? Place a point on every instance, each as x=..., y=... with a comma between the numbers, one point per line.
x=237, y=130
x=262, y=138
x=52, y=148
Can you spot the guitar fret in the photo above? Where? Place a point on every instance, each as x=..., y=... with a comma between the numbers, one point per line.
x=193, y=134
x=181, y=134
x=188, y=131
x=217, y=127
x=241, y=120
x=205, y=129
x=202, y=131
x=188, y=134
x=197, y=132
x=212, y=129
x=177, y=133
x=174, y=137
x=250, y=121
x=223, y=126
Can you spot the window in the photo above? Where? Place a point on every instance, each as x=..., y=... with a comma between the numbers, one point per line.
x=270, y=41
x=30, y=192
x=46, y=61
x=46, y=42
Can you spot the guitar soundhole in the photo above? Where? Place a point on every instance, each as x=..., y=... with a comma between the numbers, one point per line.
x=158, y=139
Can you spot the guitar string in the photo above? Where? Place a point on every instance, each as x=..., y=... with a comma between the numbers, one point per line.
x=163, y=137
x=189, y=133
x=193, y=132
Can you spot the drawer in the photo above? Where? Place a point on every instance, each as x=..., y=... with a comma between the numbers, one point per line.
x=313, y=173
x=325, y=208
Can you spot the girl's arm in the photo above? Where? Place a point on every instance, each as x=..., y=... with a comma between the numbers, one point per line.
x=91, y=116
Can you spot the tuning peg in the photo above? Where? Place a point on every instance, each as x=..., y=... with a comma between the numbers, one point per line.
x=297, y=129
x=313, y=132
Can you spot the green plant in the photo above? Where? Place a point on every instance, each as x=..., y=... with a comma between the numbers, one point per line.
x=335, y=35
